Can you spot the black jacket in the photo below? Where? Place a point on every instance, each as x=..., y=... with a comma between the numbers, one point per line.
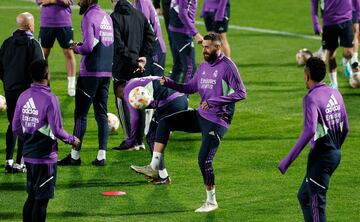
x=16, y=54
x=133, y=38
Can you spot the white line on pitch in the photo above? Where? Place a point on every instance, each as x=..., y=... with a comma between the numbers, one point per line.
x=234, y=27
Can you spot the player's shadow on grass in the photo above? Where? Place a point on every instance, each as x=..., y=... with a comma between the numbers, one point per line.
x=20, y=186
x=77, y=214
x=243, y=138
x=98, y=183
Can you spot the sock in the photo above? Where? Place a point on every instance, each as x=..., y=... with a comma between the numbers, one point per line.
x=9, y=162
x=163, y=173
x=155, y=161
x=211, y=198
x=71, y=81
x=75, y=154
x=101, y=155
x=333, y=78
x=355, y=58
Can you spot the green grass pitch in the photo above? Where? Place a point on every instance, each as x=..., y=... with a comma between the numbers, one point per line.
x=266, y=125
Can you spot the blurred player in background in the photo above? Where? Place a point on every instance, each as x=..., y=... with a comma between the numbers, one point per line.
x=325, y=127
x=355, y=20
x=337, y=24
x=16, y=54
x=94, y=77
x=216, y=15
x=155, y=63
x=55, y=23
x=218, y=82
x=37, y=119
x=182, y=31
x=164, y=10
x=133, y=40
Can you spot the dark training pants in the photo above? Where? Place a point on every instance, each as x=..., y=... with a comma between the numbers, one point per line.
x=177, y=105
x=183, y=51
x=11, y=99
x=40, y=186
x=190, y=121
x=35, y=210
x=312, y=193
x=92, y=90
x=155, y=64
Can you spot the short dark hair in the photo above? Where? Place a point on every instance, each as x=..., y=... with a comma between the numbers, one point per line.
x=39, y=70
x=317, y=68
x=214, y=37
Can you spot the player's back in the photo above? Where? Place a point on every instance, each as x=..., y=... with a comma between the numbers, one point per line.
x=35, y=105
x=332, y=117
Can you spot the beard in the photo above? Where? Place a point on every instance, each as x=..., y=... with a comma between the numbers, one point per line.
x=210, y=57
x=83, y=9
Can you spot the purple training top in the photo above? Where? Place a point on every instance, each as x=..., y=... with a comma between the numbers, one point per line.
x=38, y=119
x=217, y=6
x=147, y=8
x=219, y=84
x=55, y=15
x=97, y=48
x=334, y=12
x=325, y=122
x=160, y=97
x=184, y=16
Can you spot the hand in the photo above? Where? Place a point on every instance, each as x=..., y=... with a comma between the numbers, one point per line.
x=76, y=144
x=282, y=167
x=141, y=64
x=67, y=2
x=47, y=2
x=198, y=38
x=205, y=105
x=159, y=11
x=73, y=45
x=162, y=80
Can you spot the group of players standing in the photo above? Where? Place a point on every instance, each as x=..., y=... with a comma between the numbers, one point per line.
x=132, y=39
x=126, y=46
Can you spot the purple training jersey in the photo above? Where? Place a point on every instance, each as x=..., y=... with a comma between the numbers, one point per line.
x=219, y=84
x=38, y=119
x=217, y=6
x=182, y=16
x=325, y=122
x=333, y=12
x=97, y=48
x=147, y=8
x=55, y=15
x=160, y=97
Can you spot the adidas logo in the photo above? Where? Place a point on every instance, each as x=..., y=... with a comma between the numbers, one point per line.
x=105, y=24
x=30, y=108
x=332, y=105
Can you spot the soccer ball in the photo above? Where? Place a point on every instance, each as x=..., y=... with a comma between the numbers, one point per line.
x=139, y=97
x=302, y=55
x=354, y=80
x=2, y=103
x=113, y=122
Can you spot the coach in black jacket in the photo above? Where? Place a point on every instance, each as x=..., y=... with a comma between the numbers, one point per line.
x=133, y=39
x=16, y=54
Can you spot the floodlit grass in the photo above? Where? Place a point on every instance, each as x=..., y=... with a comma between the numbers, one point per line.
x=266, y=125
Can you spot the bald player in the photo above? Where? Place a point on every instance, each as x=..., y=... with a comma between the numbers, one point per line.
x=16, y=54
